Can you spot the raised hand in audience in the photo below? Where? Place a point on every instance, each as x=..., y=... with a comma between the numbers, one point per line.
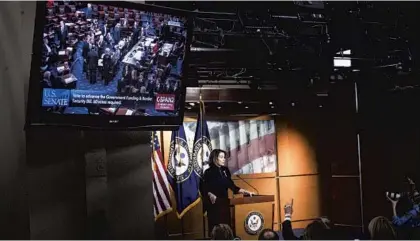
x=288, y=210
x=287, y=229
x=393, y=198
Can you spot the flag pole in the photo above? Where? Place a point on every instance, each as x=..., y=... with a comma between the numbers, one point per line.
x=180, y=187
x=201, y=129
x=201, y=115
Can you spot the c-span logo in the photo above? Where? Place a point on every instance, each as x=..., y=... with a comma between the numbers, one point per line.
x=179, y=167
x=165, y=102
x=201, y=154
x=254, y=223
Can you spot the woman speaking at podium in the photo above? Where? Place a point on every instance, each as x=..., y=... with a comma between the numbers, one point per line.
x=214, y=190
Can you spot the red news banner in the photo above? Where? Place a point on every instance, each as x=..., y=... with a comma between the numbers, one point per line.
x=165, y=102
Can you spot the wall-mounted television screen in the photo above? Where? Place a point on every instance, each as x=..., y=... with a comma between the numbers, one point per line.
x=108, y=65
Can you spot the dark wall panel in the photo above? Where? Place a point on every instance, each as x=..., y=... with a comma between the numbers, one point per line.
x=390, y=141
x=16, y=31
x=56, y=184
x=130, y=192
x=346, y=201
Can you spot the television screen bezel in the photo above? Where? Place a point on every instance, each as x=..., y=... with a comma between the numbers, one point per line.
x=36, y=116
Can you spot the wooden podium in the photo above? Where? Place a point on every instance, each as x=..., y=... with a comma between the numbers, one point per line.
x=250, y=215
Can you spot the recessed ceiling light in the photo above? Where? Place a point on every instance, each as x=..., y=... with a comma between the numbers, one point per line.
x=239, y=102
x=246, y=107
x=293, y=104
x=219, y=107
x=272, y=107
x=270, y=103
x=320, y=106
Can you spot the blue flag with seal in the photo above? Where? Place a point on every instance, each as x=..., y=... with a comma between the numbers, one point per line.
x=202, y=144
x=183, y=179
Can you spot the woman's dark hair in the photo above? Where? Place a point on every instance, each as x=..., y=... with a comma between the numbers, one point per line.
x=380, y=228
x=316, y=230
x=222, y=232
x=214, y=154
x=268, y=234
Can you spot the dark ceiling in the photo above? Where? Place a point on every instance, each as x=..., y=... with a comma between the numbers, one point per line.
x=290, y=46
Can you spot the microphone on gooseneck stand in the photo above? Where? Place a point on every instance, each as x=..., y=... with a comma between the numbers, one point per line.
x=256, y=191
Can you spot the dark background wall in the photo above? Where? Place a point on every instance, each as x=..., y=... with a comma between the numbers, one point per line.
x=390, y=142
x=16, y=31
x=89, y=185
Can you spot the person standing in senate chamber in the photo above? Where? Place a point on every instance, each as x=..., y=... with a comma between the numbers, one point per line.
x=117, y=33
x=101, y=45
x=63, y=34
x=107, y=65
x=93, y=65
x=214, y=190
x=85, y=52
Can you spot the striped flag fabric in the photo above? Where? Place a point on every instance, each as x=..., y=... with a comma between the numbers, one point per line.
x=250, y=144
x=161, y=197
x=254, y=148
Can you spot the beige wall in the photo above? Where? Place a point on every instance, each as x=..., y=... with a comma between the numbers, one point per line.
x=297, y=177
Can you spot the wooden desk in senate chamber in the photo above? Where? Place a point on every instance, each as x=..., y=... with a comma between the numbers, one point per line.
x=250, y=215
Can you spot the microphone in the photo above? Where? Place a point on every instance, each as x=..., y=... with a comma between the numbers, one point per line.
x=256, y=191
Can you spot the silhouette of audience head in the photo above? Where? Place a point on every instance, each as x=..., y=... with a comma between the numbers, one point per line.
x=317, y=230
x=268, y=234
x=380, y=228
x=222, y=232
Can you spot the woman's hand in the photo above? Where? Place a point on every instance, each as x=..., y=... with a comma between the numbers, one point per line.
x=243, y=191
x=212, y=198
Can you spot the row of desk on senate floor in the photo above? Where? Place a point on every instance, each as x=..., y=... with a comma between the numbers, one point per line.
x=135, y=55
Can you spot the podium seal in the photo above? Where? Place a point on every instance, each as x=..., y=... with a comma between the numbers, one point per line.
x=254, y=223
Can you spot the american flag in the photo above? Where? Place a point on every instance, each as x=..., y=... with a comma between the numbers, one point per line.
x=251, y=144
x=161, y=197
